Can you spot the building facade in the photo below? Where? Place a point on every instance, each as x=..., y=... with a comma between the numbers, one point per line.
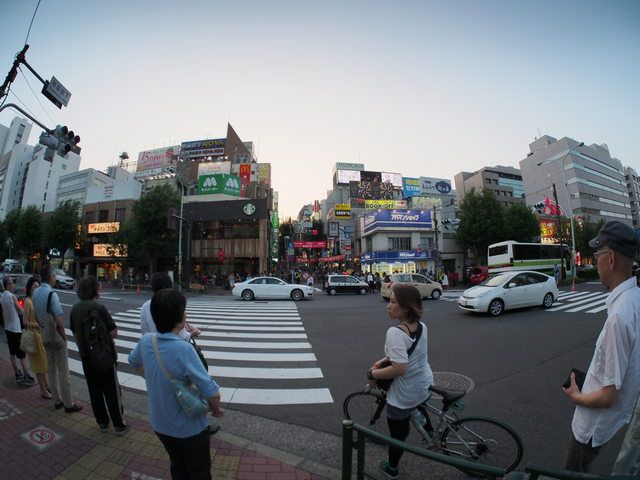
x=633, y=190
x=506, y=183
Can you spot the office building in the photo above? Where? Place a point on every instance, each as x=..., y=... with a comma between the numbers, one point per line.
x=633, y=190
x=505, y=183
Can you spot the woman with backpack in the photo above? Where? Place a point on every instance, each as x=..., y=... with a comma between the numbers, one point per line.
x=94, y=330
x=405, y=367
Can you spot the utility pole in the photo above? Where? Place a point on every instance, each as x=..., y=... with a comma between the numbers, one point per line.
x=563, y=273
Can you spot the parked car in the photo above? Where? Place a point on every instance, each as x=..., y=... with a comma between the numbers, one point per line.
x=270, y=287
x=427, y=288
x=345, y=284
x=509, y=290
x=478, y=275
x=63, y=280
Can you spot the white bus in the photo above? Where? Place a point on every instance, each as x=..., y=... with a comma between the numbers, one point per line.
x=510, y=256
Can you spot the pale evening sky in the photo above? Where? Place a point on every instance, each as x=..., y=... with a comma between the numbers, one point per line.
x=417, y=87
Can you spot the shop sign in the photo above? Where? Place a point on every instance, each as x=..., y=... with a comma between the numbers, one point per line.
x=313, y=244
x=342, y=211
x=108, y=227
x=209, y=168
x=249, y=209
x=334, y=229
x=219, y=183
x=103, y=249
x=203, y=148
x=411, y=187
x=335, y=258
x=390, y=204
x=435, y=186
x=398, y=256
x=397, y=219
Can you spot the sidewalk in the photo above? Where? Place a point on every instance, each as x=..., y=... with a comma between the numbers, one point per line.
x=39, y=442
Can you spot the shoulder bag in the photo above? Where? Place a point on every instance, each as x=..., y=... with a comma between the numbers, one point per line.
x=52, y=337
x=385, y=383
x=188, y=394
x=27, y=341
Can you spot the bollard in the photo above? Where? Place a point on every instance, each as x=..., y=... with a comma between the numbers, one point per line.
x=123, y=286
x=573, y=285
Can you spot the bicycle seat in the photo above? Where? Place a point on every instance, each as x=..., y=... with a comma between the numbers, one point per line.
x=448, y=396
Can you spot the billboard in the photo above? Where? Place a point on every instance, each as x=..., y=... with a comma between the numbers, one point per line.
x=435, y=186
x=108, y=227
x=264, y=173
x=203, y=148
x=397, y=219
x=389, y=204
x=411, y=187
x=346, y=176
x=349, y=166
x=209, y=168
x=394, y=179
x=425, y=202
x=219, y=183
x=244, y=172
x=103, y=249
x=333, y=229
x=342, y=211
x=157, y=158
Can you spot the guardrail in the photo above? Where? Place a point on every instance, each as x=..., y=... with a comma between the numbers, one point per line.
x=531, y=472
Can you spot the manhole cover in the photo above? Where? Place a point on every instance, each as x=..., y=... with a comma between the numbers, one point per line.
x=452, y=381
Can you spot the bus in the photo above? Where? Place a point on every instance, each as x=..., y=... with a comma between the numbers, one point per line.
x=510, y=256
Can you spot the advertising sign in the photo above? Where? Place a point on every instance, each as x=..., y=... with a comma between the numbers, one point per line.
x=264, y=173
x=109, y=227
x=394, y=179
x=313, y=244
x=346, y=176
x=157, y=158
x=425, y=202
x=274, y=220
x=102, y=250
x=411, y=187
x=203, y=148
x=349, y=166
x=209, y=168
x=397, y=219
x=244, y=172
x=333, y=229
x=435, y=186
x=390, y=204
x=219, y=183
x=371, y=187
x=342, y=211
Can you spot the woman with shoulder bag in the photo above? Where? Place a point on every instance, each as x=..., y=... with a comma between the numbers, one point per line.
x=166, y=360
x=37, y=359
x=405, y=366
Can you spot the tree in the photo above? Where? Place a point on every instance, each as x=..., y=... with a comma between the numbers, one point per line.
x=29, y=232
x=11, y=228
x=521, y=224
x=481, y=222
x=583, y=232
x=285, y=229
x=148, y=235
x=61, y=231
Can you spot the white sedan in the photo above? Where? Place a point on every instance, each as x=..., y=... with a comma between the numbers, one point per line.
x=270, y=287
x=508, y=290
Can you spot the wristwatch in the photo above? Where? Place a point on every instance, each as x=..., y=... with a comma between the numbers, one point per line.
x=370, y=375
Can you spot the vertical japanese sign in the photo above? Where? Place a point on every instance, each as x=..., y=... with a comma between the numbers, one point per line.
x=245, y=177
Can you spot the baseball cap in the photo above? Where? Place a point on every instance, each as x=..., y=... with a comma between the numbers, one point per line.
x=617, y=236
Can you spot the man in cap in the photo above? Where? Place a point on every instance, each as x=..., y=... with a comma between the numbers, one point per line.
x=612, y=383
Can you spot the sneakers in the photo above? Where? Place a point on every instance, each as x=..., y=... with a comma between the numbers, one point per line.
x=19, y=378
x=29, y=381
x=73, y=408
x=120, y=431
x=388, y=470
x=104, y=428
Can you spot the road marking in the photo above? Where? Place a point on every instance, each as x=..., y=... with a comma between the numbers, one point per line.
x=202, y=321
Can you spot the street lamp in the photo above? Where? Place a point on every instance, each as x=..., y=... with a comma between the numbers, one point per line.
x=181, y=219
x=570, y=213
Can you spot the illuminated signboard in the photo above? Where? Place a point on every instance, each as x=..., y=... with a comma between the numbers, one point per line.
x=394, y=179
x=435, y=186
x=203, y=148
x=103, y=249
x=390, y=204
x=342, y=211
x=346, y=176
x=109, y=227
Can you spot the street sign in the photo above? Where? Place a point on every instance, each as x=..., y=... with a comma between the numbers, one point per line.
x=56, y=92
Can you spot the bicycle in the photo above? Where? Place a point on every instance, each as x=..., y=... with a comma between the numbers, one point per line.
x=480, y=439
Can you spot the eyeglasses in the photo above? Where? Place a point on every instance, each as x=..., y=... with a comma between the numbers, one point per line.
x=599, y=252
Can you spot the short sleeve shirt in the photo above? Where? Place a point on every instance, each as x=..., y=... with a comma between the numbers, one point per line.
x=40, y=297
x=616, y=361
x=9, y=312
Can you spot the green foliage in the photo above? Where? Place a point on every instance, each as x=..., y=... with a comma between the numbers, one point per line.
x=521, y=224
x=61, y=231
x=11, y=228
x=147, y=235
x=29, y=231
x=482, y=222
x=585, y=231
x=284, y=230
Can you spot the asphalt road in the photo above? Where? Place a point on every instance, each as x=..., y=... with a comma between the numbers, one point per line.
x=517, y=362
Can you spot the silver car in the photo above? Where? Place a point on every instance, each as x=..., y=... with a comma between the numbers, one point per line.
x=63, y=280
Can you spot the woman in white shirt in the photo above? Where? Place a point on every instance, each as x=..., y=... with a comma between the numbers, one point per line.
x=406, y=363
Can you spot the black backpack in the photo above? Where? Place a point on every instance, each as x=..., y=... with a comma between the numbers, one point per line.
x=98, y=344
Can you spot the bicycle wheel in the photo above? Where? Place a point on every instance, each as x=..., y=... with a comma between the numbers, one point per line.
x=366, y=409
x=485, y=441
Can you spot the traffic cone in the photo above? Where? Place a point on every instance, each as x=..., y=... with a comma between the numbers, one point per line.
x=138, y=290
x=573, y=285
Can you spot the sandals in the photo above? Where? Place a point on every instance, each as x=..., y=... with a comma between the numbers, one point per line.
x=46, y=395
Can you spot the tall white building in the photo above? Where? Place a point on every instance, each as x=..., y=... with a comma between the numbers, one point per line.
x=633, y=189
x=29, y=175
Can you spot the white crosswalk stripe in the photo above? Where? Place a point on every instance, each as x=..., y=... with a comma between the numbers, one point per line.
x=257, y=352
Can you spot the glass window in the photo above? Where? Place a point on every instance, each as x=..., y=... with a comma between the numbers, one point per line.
x=257, y=281
x=499, y=250
x=103, y=216
x=274, y=281
x=418, y=279
x=536, y=278
x=520, y=280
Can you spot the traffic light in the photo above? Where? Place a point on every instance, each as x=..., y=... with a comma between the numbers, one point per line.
x=67, y=140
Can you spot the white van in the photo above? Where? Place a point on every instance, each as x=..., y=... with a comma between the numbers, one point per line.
x=12, y=266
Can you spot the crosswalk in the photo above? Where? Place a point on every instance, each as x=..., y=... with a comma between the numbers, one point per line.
x=567, y=301
x=257, y=352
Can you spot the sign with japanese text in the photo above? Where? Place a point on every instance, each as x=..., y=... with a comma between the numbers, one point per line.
x=155, y=160
x=209, y=168
x=390, y=204
x=342, y=211
x=106, y=250
x=108, y=227
x=397, y=219
x=203, y=148
x=313, y=244
x=411, y=187
x=219, y=183
x=435, y=186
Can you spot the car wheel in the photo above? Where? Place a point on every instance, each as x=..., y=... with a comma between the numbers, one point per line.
x=297, y=295
x=547, y=301
x=331, y=291
x=496, y=307
x=363, y=291
x=436, y=294
x=247, y=295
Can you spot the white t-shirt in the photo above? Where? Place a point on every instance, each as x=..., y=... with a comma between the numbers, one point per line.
x=412, y=388
x=9, y=312
x=616, y=361
x=147, y=325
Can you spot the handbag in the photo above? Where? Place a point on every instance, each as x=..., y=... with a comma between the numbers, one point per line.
x=385, y=383
x=188, y=394
x=27, y=341
x=51, y=337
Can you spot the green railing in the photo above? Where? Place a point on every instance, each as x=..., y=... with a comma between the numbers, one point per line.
x=531, y=472
x=362, y=433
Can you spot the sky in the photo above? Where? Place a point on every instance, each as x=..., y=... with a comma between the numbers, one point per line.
x=422, y=88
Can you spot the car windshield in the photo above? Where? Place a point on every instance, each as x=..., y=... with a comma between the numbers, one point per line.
x=496, y=280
